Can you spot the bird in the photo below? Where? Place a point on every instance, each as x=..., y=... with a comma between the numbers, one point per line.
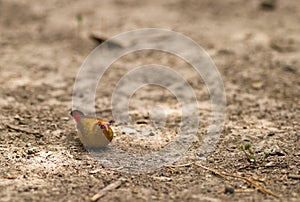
x=93, y=132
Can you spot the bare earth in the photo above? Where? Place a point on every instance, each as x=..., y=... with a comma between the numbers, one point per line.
x=256, y=49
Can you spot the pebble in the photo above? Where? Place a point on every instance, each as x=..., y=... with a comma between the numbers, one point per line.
x=270, y=164
x=65, y=118
x=228, y=190
x=268, y=5
x=151, y=134
x=257, y=85
x=31, y=151
x=128, y=131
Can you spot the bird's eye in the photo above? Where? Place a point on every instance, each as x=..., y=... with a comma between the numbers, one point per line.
x=103, y=126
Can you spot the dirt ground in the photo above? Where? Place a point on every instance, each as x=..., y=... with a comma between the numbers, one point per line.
x=256, y=47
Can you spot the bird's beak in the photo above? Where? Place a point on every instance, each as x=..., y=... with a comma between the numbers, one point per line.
x=105, y=127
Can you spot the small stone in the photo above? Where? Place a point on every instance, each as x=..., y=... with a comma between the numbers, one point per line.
x=141, y=122
x=95, y=171
x=151, y=134
x=162, y=178
x=17, y=117
x=268, y=5
x=270, y=164
x=38, y=135
x=31, y=151
x=257, y=85
x=271, y=134
x=41, y=98
x=129, y=131
x=277, y=151
x=65, y=118
x=228, y=190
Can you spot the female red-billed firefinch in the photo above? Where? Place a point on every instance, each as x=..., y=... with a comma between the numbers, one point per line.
x=93, y=132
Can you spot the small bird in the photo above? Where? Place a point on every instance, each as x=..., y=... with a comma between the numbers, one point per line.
x=93, y=132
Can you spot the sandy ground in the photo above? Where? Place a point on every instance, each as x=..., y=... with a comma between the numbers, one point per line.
x=255, y=47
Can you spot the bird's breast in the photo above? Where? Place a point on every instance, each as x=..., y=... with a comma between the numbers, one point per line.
x=90, y=134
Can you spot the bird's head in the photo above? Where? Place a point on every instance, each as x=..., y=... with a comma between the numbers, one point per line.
x=76, y=114
x=107, y=130
x=104, y=125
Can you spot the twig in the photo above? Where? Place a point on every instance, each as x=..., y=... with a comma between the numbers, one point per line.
x=8, y=176
x=172, y=167
x=181, y=165
x=225, y=175
x=296, y=177
x=256, y=185
x=244, y=190
x=104, y=110
x=19, y=129
x=108, y=188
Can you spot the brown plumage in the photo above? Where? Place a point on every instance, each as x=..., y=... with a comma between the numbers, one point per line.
x=93, y=132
